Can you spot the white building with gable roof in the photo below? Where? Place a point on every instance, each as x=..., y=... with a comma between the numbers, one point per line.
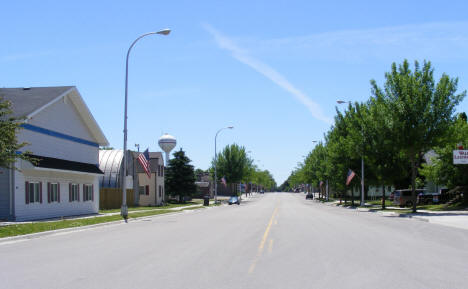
x=64, y=136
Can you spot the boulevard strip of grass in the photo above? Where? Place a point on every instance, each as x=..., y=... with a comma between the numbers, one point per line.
x=144, y=208
x=36, y=227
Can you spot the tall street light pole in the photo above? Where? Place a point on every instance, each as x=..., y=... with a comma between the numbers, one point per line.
x=258, y=184
x=362, y=161
x=251, y=181
x=216, y=163
x=312, y=185
x=124, y=209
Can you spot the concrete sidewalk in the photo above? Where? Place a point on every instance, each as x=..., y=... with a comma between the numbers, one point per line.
x=456, y=219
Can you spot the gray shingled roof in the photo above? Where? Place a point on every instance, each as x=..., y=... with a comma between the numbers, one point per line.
x=25, y=101
x=155, y=155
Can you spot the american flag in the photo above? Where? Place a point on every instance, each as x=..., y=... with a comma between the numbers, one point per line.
x=223, y=180
x=143, y=159
x=350, y=176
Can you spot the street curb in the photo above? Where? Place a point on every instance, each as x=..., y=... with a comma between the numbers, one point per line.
x=383, y=213
x=7, y=240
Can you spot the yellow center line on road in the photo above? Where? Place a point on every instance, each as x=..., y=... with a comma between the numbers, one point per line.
x=270, y=246
x=262, y=242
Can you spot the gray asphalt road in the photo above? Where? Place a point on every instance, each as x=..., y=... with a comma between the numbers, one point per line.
x=273, y=241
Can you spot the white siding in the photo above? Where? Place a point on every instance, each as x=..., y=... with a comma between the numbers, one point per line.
x=49, y=146
x=147, y=200
x=160, y=182
x=63, y=117
x=60, y=117
x=44, y=210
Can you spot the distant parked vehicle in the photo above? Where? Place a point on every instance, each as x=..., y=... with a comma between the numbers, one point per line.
x=234, y=200
x=310, y=196
x=403, y=198
x=428, y=198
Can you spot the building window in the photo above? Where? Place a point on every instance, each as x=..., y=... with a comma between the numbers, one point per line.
x=147, y=190
x=53, y=192
x=74, y=192
x=33, y=191
x=88, y=192
x=160, y=191
x=141, y=190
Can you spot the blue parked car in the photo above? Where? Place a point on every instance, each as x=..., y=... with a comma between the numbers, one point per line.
x=234, y=200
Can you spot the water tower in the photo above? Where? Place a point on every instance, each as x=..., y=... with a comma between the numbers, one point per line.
x=167, y=142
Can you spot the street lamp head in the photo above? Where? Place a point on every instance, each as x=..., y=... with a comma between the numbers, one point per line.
x=164, y=31
x=230, y=127
x=342, y=101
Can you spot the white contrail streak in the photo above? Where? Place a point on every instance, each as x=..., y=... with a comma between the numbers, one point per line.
x=270, y=73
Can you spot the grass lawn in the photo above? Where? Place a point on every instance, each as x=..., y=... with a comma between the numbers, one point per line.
x=36, y=227
x=379, y=202
x=444, y=207
x=329, y=200
x=166, y=206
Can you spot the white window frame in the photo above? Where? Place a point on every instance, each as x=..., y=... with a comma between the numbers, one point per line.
x=87, y=192
x=141, y=190
x=54, y=192
x=34, y=192
x=75, y=191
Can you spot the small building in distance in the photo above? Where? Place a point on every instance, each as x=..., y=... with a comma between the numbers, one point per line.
x=205, y=185
x=146, y=191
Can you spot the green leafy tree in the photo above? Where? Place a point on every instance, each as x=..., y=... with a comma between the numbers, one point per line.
x=388, y=165
x=344, y=143
x=180, y=176
x=421, y=110
x=264, y=179
x=233, y=163
x=199, y=172
x=9, y=146
x=441, y=169
x=284, y=187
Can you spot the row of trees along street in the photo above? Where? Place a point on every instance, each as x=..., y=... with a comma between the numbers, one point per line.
x=232, y=163
x=409, y=116
x=236, y=166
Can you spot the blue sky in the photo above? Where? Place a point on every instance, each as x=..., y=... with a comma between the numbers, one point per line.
x=272, y=69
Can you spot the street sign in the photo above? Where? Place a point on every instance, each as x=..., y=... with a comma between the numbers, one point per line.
x=460, y=157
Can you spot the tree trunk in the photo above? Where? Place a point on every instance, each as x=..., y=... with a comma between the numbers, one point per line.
x=383, y=197
x=352, y=197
